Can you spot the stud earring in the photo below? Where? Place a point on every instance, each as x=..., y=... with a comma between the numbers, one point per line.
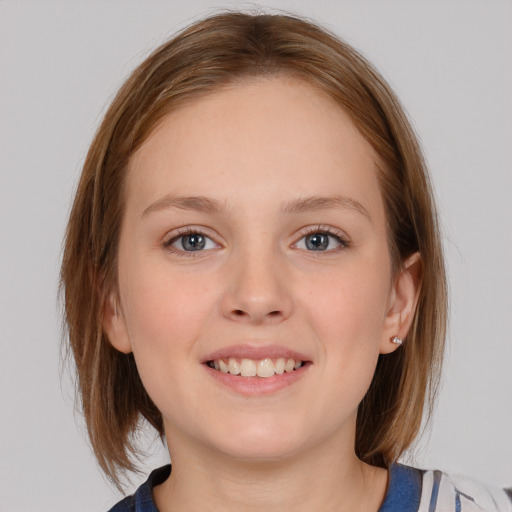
x=396, y=340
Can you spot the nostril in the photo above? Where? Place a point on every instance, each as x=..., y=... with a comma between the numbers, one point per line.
x=242, y=315
x=240, y=312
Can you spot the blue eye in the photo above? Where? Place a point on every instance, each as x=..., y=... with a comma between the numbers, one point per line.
x=191, y=242
x=194, y=242
x=321, y=241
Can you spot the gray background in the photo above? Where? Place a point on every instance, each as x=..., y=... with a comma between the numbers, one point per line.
x=61, y=63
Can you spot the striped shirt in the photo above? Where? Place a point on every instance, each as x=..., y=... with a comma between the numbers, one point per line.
x=416, y=490
x=409, y=490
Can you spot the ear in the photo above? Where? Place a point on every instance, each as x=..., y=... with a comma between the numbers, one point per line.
x=114, y=325
x=403, y=300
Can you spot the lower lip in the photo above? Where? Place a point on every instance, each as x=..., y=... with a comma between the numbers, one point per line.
x=254, y=386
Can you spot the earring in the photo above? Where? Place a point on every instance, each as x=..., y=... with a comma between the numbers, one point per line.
x=396, y=340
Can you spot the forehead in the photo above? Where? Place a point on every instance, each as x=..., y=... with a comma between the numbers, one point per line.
x=278, y=133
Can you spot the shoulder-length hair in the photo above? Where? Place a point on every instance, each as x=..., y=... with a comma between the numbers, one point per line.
x=204, y=57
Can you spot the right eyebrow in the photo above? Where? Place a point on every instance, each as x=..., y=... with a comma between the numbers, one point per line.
x=198, y=203
x=315, y=203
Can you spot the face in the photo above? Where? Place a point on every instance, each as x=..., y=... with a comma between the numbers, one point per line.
x=254, y=241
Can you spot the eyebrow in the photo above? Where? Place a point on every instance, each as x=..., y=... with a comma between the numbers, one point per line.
x=198, y=203
x=300, y=205
x=315, y=203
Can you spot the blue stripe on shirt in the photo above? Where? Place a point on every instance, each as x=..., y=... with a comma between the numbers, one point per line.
x=404, y=489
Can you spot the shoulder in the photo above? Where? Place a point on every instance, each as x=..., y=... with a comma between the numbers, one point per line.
x=142, y=499
x=125, y=505
x=446, y=492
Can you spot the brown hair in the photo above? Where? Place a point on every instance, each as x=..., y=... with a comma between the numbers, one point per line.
x=204, y=57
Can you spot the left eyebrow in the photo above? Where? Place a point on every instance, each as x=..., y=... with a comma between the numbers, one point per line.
x=315, y=203
x=198, y=203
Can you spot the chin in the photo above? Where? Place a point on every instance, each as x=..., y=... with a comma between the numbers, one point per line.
x=260, y=452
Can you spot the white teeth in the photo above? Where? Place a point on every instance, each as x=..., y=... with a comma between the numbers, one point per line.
x=250, y=368
x=265, y=368
x=279, y=366
x=289, y=366
x=234, y=367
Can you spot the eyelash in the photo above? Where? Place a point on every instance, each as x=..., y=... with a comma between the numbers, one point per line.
x=180, y=234
x=339, y=236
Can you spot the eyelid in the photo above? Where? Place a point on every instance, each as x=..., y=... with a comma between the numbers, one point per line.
x=177, y=233
x=337, y=233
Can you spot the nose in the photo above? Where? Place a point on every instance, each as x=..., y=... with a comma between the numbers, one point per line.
x=258, y=290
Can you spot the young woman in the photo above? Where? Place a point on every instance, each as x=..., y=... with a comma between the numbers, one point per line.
x=253, y=265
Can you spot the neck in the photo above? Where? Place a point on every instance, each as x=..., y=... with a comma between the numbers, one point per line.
x=330, y=478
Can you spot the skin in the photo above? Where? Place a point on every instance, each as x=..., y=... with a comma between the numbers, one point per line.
x=255, y=148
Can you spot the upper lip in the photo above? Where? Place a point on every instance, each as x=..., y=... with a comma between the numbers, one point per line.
x=255, y=352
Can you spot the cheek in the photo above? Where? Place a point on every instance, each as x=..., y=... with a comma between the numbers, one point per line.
x=348, y=317
x=165, y=316
x=164, y=310
x=350, y=306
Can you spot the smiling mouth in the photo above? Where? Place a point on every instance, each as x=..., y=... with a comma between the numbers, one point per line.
x=263, y=368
